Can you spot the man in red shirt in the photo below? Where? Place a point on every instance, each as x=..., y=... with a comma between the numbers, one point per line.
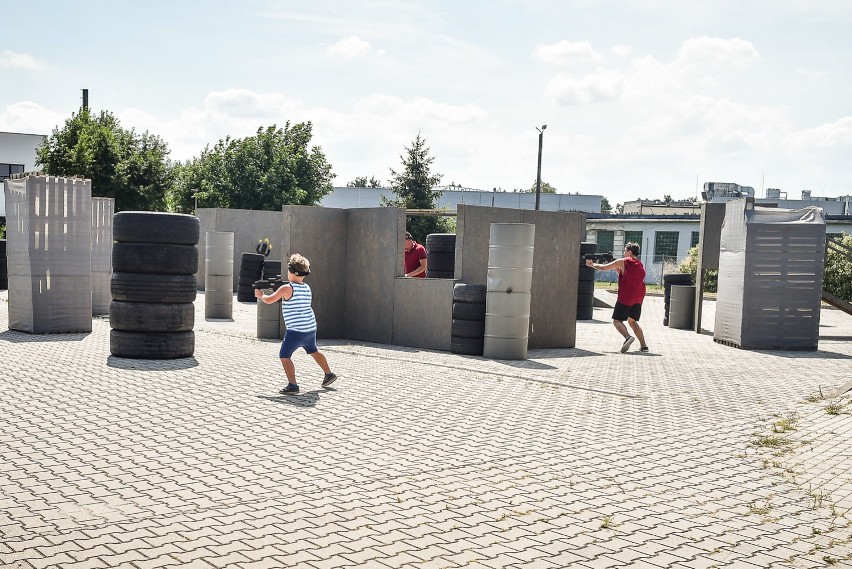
x=631, y=293
x=415, y=258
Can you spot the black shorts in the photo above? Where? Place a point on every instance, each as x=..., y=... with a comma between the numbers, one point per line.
x=622, y=312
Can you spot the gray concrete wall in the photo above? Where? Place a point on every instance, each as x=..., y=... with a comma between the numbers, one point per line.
x=373, y=261
x=423, y=313
x=553, y=306
x=248, y=226
x=320, y=234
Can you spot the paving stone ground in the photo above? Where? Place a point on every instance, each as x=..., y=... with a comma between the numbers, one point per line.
x=695, y=455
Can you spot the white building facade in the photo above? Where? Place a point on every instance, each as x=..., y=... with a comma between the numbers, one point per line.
x=17, y=154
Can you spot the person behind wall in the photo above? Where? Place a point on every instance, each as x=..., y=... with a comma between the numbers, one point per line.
x=300, y=321
x=631, y=293
x=415, y=258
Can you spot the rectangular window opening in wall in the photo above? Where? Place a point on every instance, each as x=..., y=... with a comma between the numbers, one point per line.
x=694, y=240
x=633, y=237
x=7, y=170
x=605, y=240
x=665, y=246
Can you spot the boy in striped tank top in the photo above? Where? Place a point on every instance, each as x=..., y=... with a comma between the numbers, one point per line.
x=300, y=321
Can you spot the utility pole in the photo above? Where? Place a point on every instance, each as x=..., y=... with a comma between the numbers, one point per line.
x=538, y=175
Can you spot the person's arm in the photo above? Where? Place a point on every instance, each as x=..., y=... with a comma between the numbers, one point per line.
x=617, y=264
x=285, y=292
x=418, y=270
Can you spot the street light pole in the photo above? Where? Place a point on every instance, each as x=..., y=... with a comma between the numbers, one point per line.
x=538, y=176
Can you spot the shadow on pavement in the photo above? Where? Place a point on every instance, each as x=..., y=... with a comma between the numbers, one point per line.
x=21, y=337
x=303, y=399
x=152, y=365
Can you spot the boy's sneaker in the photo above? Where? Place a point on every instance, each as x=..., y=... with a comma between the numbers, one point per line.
x=644, y=349
x=291, y=389
x=329, y=379
x=626, y=345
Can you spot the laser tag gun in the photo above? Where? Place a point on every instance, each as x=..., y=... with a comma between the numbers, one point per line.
x=599, y=258
x=273, y=283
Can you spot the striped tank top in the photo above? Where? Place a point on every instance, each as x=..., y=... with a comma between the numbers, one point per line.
x=298, y=314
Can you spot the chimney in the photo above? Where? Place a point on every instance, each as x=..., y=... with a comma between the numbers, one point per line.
x=85, y=99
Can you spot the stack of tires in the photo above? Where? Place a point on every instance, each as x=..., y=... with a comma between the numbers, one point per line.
x=440, y=255
x=586, y=283
x=468, y=327
x=153, y=285
x=668, y=281
x=251, y=270
x=271, y=269
x=4, y=268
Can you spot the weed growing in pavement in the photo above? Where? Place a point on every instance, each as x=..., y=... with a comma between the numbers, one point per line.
x=818, y=497
x=607, y=522
x=829, y=560
x=834, y=408
x=753, y=508
x=786, y=423
x=771, y=441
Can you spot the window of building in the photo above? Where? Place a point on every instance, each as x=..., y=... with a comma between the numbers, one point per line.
x=633, y=237
x=665, y=246
x=694, y=241
x=605, y=241
x=7, y=170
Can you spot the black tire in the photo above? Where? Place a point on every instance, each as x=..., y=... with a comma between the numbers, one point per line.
x=585, y=300
x=468, y=328
x=252, y=258
x=151, y=345
x=245, y=289
x=588, y=247
x=586, y=287
x=677, y=279
x=440, y=274
x=245, y=281
x=469, y=311
x=442, y=262
x=586, y=273
x=250, y=275
x=467, y=346
x=246, y=298
x=463, y=292
x=441, y=243
x=585, y=312
x=160, y=258
x=151, y=317
x=141, y=287
x=155, y=227
x=666, y=321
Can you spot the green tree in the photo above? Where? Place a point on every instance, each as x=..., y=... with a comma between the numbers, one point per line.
x=275, y=167
x=413, y=187
x=837, y=278
x=363, y=182
x=690, y=265
x=605, y=207
x=545, y=188
x=667, y=199
x=132, y=168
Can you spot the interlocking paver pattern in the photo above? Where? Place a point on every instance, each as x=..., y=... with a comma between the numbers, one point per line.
x=573, y=458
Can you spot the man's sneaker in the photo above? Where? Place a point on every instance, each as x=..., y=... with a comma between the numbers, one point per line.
x=644, y=349
x=626, y=344
x=329, y=379
x=291, y=389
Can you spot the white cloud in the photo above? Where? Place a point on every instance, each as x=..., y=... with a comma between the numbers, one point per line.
x=10, y=59
x=30, y=118
x=566, y=52
x=350, y=48
x=622, y=50
x=600, y=85
x=706, y=52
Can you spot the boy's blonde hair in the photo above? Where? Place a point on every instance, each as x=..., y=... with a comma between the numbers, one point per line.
x=299, y=264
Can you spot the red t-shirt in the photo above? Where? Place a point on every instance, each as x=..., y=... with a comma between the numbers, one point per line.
x=631, y=282
x=412, y=259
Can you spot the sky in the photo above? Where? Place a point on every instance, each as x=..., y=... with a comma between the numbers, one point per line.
x=641, y=98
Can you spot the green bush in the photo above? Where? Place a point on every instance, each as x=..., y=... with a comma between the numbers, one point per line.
x=690, y=265
x=838, y=270
x=2, y=232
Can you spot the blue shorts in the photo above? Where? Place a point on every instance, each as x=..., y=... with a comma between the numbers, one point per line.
x=294, y=340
